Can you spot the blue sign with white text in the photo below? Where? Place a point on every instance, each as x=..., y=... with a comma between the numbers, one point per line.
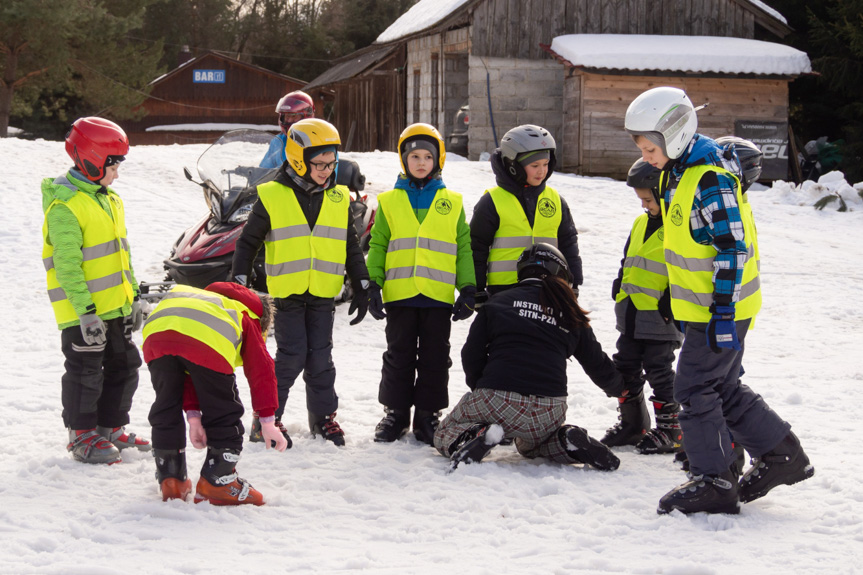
x=208, y=76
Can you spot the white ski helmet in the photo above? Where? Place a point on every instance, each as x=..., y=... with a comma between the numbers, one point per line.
x=664, y=116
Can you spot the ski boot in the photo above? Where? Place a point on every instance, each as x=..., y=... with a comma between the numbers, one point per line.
x=281, y=427
x=219, y=483
x=393, y=426
x=327, y=427
x=123, y=440
x=474, y=444
x=582, y=448
x=425, y=424
x=174, y=482
x=704, y=494
x=785, y=464
x=633, y=422
x=666, y=437
x=255, y=434
x=89, y=446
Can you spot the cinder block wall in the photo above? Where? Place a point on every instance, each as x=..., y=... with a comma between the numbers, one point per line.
x=522, y=92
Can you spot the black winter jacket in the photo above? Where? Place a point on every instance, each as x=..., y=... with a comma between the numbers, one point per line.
x=258, y=225
x=513, y=346
x=485, y=222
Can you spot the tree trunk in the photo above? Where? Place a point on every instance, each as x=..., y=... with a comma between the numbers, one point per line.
x=7, y=89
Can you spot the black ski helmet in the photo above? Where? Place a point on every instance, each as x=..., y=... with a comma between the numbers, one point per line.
x=540, y=260
x=749, y=156
x=643, y=175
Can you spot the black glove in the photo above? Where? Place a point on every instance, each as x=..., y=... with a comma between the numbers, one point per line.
x=615, y=287
x=359, y=304
x=479, y=299
x=465, y=304
x=376, y=302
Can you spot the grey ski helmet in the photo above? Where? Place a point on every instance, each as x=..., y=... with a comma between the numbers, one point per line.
x=540, y=260
x=523, y=139
x=749, y=157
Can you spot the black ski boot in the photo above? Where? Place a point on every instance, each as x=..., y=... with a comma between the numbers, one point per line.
x=633, y=422
x=255, y=434
x=425, y=424
x=785, y=464
x=393, y=426
x=474, y=444
x=174, y=482
x=704, y=494
x=327, y=427
x=582, y=448
x=281, y=427
x=666, y=437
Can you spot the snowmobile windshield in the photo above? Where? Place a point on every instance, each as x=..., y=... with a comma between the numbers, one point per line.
x=231, y=163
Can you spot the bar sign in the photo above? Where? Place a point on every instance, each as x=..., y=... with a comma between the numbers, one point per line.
x=208, y=76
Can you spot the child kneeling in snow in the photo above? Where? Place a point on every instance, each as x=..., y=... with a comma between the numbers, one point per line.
x=193, y=342
x=514, y=361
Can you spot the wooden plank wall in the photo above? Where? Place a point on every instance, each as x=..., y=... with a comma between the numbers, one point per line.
x=607, y=150
x=515, y=28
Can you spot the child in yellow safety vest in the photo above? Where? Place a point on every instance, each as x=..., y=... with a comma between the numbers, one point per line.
x=418, y=256
x=648, y=335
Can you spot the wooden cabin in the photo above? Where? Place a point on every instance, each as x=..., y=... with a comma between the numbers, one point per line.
x=207, y=95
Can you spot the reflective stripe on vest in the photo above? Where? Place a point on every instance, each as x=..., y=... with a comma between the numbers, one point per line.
x=691, y=265
x=105, y=251
x=645, y=276
x=421, y=258
x=298, y=258
x=212, y=319
x=515, y=234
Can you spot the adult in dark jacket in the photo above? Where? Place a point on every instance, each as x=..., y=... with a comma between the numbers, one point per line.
x=536, y=323
x=303, y=218
x=520, y=211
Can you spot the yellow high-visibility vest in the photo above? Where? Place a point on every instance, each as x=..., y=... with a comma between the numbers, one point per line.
x=421, y=258
x=515, y=233
x=690, y=264
x=105, y=250
x=211, y=318
x=299, y=258
x=645, y=277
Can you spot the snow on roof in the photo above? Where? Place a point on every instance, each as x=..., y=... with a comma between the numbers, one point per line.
x=681, y=54
x=769, y=10
x=422, y=15
x=211, y=127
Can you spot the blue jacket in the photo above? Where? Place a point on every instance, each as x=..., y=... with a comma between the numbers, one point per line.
x=275, y=155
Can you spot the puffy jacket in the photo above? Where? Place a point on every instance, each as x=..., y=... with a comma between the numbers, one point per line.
x=513, y=346
x=485, y=222
x=64, y=234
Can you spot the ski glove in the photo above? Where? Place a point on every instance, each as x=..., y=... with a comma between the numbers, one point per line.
x=270, y=432
x=479, y=299
x=721, y=331
x=465, y=304
x=137, y=315
x=376, y=302
x=359, y=304
x=93, y=329
x=197, y=435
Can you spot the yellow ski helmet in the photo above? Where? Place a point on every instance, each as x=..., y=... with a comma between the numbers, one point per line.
x=425, y=132
x=303, y=137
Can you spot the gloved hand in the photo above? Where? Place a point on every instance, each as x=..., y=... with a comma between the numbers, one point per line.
x=465, y=304
x=721, y=331
x=615, y=287
x=242, y=279
x=376, y=302
x=137, y=314
x=479, y=299
x=197, y=435
x=271, y=433
x=93, y=329
x=359, y=304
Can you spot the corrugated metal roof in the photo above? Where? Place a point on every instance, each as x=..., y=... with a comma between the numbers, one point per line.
x=351, y=66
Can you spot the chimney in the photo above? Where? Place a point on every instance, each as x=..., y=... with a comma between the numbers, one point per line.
x=184, y=56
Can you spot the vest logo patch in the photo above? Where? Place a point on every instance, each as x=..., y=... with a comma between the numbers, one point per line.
x=661, y=234
x=335, y=195
x=546, y=208
x=443, y=206
x=676, y=215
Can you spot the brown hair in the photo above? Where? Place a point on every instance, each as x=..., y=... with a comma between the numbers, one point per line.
x=557, y=297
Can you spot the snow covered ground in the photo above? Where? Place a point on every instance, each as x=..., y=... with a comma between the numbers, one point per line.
x=391, y=508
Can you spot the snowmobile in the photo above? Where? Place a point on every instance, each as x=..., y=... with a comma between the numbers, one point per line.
x=228, y=175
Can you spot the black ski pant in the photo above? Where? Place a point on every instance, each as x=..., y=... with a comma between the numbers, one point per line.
x=653, y=360
x=416, y=363
x=100, y=379
x=218, y=397
x=714, y=401
x=304, y=339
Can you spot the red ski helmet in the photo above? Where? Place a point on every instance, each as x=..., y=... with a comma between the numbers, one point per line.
x=94, y=143
x=294, y=107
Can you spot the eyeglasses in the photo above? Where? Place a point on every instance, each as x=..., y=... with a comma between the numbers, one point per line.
x=324, y=166
x=288, y=118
